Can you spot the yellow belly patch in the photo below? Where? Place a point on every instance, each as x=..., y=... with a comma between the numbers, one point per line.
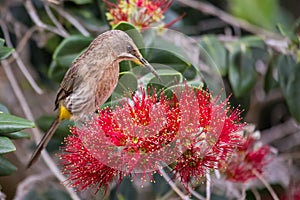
x=64, y=113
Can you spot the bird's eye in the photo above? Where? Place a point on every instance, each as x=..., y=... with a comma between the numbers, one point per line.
x=129, y=49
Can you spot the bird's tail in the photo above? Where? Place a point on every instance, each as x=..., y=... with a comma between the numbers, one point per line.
x=43, y=143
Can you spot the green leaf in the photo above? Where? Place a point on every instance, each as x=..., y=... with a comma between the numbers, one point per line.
x=242, y=73
x=169, y=59
x=160, y=187
x=3, y=108
x=126, y=66
x=54, y=194
x=113, y=103
x=124, y=191
x=164, y=52
x=287, y=31
x=289, y=80
x=252, y=41
x=33, y=195
x=70, y=48
x=81, y=2
x=168, y=76
x=10, y=123
x=269, y=81
x=126, y=85
x=159, y=50
x=216, y=51
x=6, y=167
x=56, y=72
x=261, y=13
x=67, y=51
x=246, y=42
x=17, y=135
x=170, y=91
x=4, y=51
x=6, y=145
x=44, y=123
x=132, y=31
x=190, y=73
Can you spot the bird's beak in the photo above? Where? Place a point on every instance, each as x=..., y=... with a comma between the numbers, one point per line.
x=142, y=61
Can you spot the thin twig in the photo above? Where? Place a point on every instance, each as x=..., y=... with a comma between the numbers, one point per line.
x=243, y=195
x=173, y=185
x=23, y=42
x=36, y=134
x=208, y=185
x=20, y=63
x=256, y=194
x=270, y=189
x=279, y=131
x=234, y=21
x=55, y=21
x=290, y=156
x=72, y=20
x=31, y=182
x=35, y=18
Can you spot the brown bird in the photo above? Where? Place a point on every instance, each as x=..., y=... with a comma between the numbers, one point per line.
x=91, y=79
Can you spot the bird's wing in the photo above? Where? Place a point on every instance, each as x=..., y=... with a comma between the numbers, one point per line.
x=67, y=85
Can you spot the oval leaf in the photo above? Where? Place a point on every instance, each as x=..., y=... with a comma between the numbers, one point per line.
x=6, y=167
x=10, y=123
x=216, y=51
x=44, y=123
x=126, y=85
x=81, y=2
x=4, y=51
x=160, y=186
x=168, y=58
x=6, y=145
x=242, y=73
x=52, y=194
x=289, y=80
x=269, y=81
x=124, y=191
x=3, y=108
x=17, y=135
x=168, y=76
x=265, y=11
x=69, y=49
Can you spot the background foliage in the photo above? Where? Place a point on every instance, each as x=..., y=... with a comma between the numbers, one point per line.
x=257, y=52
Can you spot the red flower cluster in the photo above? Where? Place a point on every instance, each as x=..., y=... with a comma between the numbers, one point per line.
x=292, y=193
x=190, y=132
x=246, y=159
x=83, y=169
x=218, y=139
x=141, y=13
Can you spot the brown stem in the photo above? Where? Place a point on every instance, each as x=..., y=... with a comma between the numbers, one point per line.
x=270, y=189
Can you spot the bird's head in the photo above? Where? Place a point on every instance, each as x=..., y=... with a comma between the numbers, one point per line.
x=125, y=49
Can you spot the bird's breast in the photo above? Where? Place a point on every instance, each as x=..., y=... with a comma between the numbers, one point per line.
x=106, y=83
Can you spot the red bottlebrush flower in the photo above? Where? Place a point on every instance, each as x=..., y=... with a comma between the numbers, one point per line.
x=83, y=169
x=217, y=136
x=190, y=132
x=246, y=159
x=292, y=193
x=141, y=13
x=130, y=139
